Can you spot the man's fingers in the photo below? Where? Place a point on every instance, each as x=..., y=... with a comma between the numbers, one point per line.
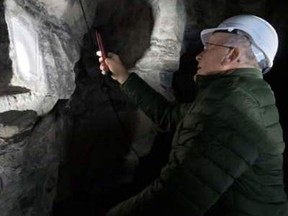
x=107, y=61
x=109, y=55
x=112, y=63
x=102, y=67
x=113, y=56
x=99, y=53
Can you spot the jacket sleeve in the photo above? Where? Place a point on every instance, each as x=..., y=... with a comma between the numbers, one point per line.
x=164, y=113
x=217, y=145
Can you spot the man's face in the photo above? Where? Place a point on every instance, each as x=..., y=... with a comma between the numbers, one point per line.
x=210, y=60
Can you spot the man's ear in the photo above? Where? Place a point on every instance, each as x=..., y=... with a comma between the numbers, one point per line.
x=234, y=54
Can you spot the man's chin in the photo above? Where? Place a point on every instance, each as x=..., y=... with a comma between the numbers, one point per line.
x=198, y=71
x=201, y=72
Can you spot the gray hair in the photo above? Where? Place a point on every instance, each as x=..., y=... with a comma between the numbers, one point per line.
x=242, y=40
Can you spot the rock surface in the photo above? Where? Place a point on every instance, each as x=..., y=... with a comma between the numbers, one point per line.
x=29, y=161
x=45, y=39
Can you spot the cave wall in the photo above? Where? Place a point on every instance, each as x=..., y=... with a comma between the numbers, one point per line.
x=29, y=162
x=101, y=159
x=45, y=40
x=40, y=43
x=100, y=109
x=6, y=65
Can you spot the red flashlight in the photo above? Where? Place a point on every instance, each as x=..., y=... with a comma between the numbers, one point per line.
x=103, y=51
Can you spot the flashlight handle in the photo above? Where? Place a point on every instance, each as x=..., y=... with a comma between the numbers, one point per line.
x=103, y=51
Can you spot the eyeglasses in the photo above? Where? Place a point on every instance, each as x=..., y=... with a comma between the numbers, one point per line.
x=220, y=45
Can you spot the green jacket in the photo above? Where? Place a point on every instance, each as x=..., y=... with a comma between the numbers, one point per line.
x=226, y=156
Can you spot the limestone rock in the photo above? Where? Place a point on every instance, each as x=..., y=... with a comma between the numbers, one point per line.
x=45, y=39
x=159, y=62
x=16, y=122
x=29, y=167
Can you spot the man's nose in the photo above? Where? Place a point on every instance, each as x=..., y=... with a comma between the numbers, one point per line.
x=199, y=56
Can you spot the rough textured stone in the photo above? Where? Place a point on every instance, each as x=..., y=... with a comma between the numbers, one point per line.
x=5, y=62
x=104, y=151
x=29, y=164
x=45, y=39
x=16, y=122
x=162, y=58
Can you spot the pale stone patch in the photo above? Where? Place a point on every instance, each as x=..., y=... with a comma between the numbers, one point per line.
x=163, y=57
x=45, y=40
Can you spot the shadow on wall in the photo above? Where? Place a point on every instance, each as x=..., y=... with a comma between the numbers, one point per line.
x=101, y=165
x=278, y=77
x=5, y=62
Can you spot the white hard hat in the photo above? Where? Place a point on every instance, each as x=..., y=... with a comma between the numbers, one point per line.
x=262, y=35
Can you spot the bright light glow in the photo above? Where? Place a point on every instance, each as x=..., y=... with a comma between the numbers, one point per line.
x=23, y=59
x=24, y=38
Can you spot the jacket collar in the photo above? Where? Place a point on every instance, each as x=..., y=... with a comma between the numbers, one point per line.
x=204, y=80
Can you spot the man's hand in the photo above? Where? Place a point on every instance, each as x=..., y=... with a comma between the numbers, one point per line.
x=113, y=62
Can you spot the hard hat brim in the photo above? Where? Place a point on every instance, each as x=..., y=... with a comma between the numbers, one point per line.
x=206, y=33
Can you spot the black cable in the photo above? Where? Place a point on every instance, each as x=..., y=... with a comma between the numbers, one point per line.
x=92, y=38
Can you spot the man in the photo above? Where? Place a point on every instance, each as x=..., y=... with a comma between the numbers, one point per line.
x=226, y=156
